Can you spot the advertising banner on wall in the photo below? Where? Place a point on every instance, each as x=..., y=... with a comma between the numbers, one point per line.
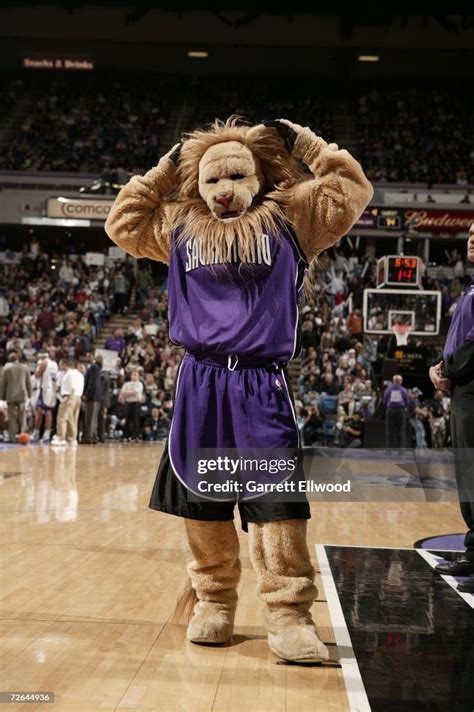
x=415, y=220
x=66, y=63
x=78, y=208
x=438, y=220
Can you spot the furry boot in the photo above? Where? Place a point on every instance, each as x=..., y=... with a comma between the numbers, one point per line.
x=214, y=574
x=280, y=557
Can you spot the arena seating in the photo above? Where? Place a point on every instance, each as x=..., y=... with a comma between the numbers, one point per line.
x=105, y=125
x=89, y=125
x=62, y=305
x=416, y=134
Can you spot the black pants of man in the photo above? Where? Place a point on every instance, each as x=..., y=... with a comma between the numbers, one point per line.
x=90, y=421
x=132, y=419
x=395, y=428
x=101, y=422
x=462, y=433
x=120, y=302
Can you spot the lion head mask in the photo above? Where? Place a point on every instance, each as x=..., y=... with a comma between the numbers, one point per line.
x=232, y=179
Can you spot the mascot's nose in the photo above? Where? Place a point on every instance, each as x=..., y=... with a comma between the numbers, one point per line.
x=224, y=200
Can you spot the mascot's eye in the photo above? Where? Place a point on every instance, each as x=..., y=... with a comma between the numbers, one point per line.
x=212, y=180
x=237, y=176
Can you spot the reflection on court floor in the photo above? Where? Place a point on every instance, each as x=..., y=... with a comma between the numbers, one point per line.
x=412, y=635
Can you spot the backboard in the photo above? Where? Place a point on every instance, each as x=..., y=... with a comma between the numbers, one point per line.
x=383, y=308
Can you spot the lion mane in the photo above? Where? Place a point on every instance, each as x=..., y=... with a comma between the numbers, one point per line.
x=266, y=215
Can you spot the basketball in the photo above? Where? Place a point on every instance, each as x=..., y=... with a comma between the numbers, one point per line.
x=24, y=439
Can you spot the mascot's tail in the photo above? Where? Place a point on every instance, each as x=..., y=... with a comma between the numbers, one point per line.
x=184, y=606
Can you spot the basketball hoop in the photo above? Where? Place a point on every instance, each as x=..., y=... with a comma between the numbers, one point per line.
x=402, y=332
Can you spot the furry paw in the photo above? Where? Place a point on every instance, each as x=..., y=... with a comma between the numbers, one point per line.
x=210, y=624
x=298, y=643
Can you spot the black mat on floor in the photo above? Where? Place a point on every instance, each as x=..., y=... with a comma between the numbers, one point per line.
x=412, y=634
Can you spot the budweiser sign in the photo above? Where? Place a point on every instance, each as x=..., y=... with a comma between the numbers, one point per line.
x=438, y=220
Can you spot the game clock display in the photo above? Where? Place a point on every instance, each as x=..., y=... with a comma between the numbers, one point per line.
x=398, y=271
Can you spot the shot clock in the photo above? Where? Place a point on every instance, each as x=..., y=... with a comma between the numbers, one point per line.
x=398, y=271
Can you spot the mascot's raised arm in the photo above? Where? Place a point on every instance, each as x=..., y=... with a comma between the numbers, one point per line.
x=238, y=212
x=232, y=171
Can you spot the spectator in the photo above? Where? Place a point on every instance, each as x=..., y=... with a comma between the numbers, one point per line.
x=329, y=385
x=15, y=389
x=104, y=405
x=312, y=423
x=66, y=272
x=350, y=434
x=72, y=389
x=345, y=400
x=144, y=282
x=157, y=426
x=4, y=421
x=396, y=401
x=354, y=324
x=121, y=289
x=92, y=397
x=131, y=394
x=116, y=342
x=417, y=417
x=45, y=320
x=4, y=307
x=439, y=411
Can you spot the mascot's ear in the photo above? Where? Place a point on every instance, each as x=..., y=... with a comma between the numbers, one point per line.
x=287, y=133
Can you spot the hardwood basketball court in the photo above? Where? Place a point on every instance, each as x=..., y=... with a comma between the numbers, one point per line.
x=90, y=577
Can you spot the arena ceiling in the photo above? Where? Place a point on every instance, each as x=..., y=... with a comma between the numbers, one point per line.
x=241, y=13
x=460, y=11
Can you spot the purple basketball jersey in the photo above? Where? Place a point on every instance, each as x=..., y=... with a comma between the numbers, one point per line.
x=249, y=309
x=462, y=324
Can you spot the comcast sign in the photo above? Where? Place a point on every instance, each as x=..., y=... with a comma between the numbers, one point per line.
x=77, y=208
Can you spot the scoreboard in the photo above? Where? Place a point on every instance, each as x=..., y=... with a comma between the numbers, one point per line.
x=399, y=271
x=381, y=218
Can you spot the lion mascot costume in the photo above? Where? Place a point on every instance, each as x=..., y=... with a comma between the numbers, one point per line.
x=238, y=212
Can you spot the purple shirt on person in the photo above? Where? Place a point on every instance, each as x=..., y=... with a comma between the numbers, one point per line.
x=462, y=324
x=247, y=309
x=115, y=343
x=395, y=396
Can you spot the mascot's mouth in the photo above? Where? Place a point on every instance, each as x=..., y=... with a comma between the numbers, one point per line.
x=230, y=215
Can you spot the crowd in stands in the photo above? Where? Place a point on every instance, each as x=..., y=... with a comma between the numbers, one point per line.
x=52, y=310
x=115, y=127
x=336, y=388
x=308, y=105
x=91, y=126
x=340, y=384
x=46, y=305
x=416, y=134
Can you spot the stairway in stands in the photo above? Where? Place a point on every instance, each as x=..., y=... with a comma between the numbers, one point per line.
x=344, y=121
x=172, y=129
x=117, y=321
